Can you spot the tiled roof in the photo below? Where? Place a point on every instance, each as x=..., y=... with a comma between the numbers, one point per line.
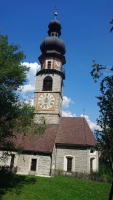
x=74, y=131
x=69, y=131
x=38, y=143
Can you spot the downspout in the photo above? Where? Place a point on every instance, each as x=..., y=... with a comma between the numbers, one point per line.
x=51, y=165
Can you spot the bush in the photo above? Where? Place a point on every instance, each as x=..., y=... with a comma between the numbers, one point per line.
x=104, y=172
x=8, y=170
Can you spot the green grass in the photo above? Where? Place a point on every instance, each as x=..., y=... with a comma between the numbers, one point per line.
x=16, y=187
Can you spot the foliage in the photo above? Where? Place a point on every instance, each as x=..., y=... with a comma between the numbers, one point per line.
x=104, y=173
x=111, y=22
x=105, y=121
x=54, y=188
x=16, y=116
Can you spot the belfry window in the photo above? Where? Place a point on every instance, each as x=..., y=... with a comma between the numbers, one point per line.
x=47, y=84
x=49, y=65
x=54, y=34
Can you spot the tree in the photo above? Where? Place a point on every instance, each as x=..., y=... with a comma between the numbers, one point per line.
x=105, y=103
x=111, y=22
x=16, y=116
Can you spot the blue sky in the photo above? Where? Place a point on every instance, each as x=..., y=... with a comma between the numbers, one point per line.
x=86, y=32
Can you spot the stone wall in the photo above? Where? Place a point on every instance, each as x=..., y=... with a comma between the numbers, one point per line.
x=80, y=159
x=57, y=79
x=44, y=164
x=42, y=167
x=51, y=116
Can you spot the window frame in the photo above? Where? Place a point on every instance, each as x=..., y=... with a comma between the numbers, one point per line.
x=73, y=163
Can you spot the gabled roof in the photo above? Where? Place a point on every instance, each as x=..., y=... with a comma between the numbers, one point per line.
x=38, y=143
x=74, y=131
x=70, y=131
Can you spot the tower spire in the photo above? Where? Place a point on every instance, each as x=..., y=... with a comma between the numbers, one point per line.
x=55, y=14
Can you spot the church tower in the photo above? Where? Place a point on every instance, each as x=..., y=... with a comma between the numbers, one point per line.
x=49, y=80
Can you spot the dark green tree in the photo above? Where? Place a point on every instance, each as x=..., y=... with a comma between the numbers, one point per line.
x=105, y=103
x=16, y=116
x=111, y=22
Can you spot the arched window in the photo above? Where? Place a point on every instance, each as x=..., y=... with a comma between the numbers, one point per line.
x=47, y=84
x=92, y=164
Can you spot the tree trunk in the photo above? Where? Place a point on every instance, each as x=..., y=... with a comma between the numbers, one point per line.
x=111, y=191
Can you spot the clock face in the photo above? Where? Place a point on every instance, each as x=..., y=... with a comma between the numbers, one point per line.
x=46, y=101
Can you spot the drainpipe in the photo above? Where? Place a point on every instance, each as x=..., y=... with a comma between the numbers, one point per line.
x=51, y=165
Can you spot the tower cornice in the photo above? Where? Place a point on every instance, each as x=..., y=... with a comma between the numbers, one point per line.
x=51, y=71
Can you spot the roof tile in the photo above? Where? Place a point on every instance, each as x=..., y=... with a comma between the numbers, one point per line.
x=69, y=131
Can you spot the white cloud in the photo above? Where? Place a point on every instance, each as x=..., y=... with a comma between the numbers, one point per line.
x=66, y=102
x=30, y=101
x=67, y=114
x=28, y=89
x=34, y=67
x=92, y=125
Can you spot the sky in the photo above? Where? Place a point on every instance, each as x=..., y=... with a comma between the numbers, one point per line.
x=86, y=33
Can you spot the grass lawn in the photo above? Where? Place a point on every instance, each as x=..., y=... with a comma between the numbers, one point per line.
x=16, y=187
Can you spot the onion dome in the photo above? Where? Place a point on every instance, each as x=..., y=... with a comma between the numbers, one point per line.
x=54, y=26
x=53, y=43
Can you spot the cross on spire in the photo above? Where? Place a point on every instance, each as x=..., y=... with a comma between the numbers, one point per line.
x=55, y=14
